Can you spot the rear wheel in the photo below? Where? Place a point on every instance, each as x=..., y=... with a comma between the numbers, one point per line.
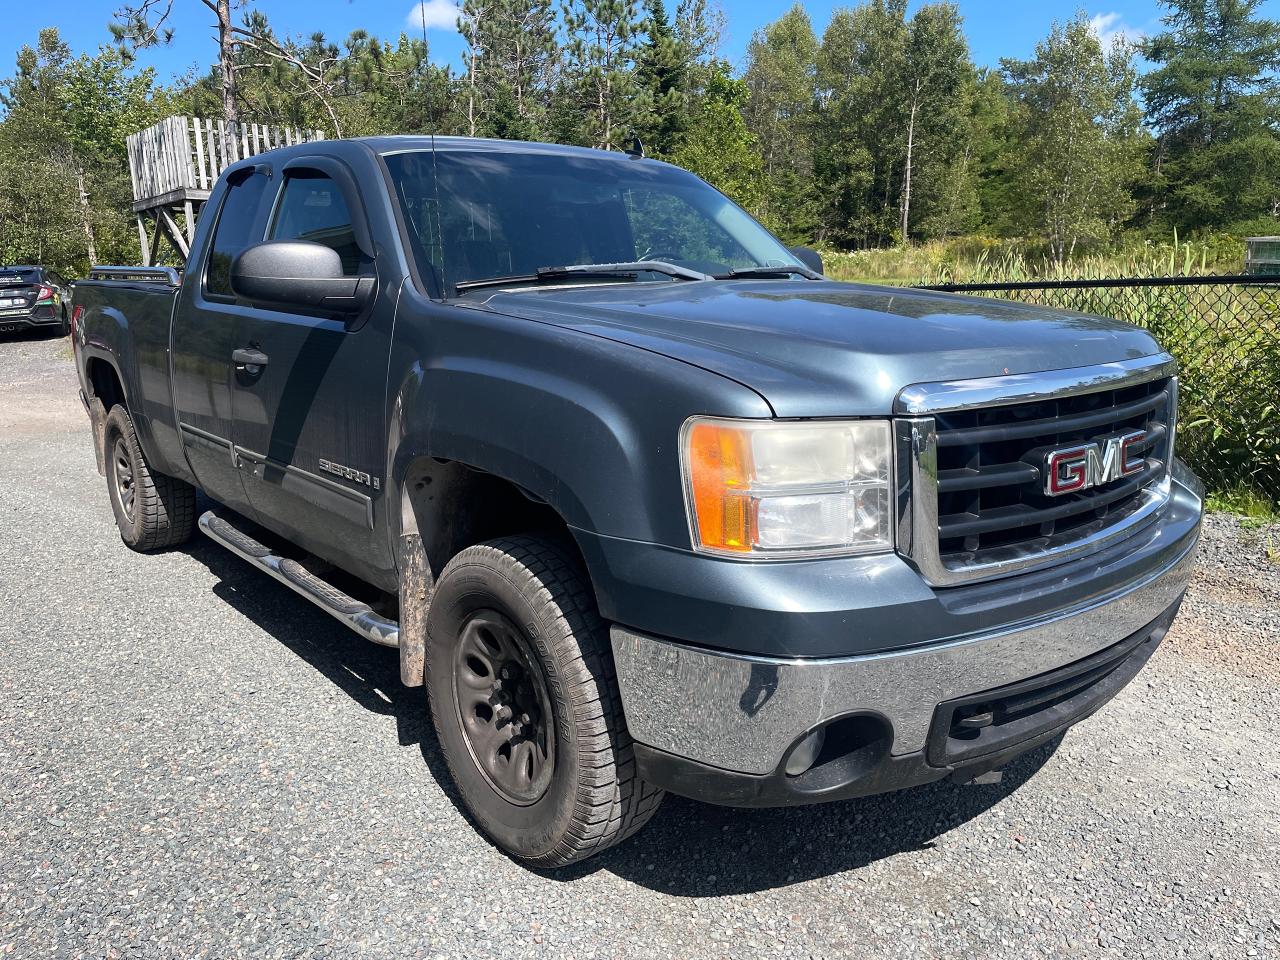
x=152, y=510
x=526, y=707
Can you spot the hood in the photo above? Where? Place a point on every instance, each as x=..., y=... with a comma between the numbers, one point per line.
x=825, y=349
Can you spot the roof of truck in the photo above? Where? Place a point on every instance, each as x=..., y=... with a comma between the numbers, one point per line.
x=399, y=144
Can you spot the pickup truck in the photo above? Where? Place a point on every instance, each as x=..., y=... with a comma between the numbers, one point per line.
x=642, y=500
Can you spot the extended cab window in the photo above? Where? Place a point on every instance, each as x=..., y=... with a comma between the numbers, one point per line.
x=239, y=226
x=313, y=208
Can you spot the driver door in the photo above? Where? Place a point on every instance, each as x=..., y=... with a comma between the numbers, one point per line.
x=308, y=403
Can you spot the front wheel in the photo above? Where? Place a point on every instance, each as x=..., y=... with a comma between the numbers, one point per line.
x=526, y=707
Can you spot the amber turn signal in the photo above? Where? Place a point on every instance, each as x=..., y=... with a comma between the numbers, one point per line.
x=719, y=464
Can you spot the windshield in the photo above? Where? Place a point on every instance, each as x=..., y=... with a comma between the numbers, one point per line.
x=475, y=215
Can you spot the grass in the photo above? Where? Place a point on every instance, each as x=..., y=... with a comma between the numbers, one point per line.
x=978, y=259
x=1254, y=510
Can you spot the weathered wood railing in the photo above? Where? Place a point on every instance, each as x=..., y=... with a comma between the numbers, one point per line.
x=174, y=164
x=184, y=154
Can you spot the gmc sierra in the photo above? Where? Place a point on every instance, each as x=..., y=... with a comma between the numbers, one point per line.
x=643, y=500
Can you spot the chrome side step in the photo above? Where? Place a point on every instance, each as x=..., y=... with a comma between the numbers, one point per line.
x=356, y=614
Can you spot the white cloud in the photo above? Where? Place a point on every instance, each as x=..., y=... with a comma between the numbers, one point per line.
x=1110, y=28
x=433, y=15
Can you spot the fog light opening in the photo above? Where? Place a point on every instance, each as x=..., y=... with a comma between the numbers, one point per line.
x=806, y=752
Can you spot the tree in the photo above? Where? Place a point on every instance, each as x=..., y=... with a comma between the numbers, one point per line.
x=475, y=23
x=510, y=58
x=990, y=139
x=526, y=57
x=1078, y=127
x=936, y=87
x=719, y=147
x=603, y=36
x=309, y=72
x=64, y=185
x=894, y=97
x=1214, y=103
x=143, y=23
x=780, y=75
x=662, y=72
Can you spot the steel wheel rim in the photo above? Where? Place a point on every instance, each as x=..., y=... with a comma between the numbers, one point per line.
x=122, y=468
x=503, y=708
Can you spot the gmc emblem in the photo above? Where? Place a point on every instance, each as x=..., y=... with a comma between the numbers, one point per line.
x=1073, y=469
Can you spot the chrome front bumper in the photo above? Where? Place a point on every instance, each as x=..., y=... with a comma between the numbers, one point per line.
x=743, y=713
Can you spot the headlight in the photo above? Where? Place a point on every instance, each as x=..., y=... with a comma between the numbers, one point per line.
x=762, y=488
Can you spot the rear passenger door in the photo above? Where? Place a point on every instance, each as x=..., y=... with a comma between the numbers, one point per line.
x=309, y=431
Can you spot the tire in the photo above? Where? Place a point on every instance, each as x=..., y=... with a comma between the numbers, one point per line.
x=567, y=788
x=152, y=510
x=64, y=328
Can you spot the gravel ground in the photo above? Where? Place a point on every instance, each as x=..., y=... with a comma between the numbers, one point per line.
x=194, y=762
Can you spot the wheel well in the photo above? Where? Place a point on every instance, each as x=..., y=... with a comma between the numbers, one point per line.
x=105, y=384
x=454, y=506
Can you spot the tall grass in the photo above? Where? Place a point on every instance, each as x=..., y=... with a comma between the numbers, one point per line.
x=978, y=259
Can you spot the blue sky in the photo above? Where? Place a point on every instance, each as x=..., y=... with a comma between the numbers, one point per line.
x=995, y=28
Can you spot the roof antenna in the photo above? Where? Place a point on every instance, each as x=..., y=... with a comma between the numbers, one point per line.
x=636, y=149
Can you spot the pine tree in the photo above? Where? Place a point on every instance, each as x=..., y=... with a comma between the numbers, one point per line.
x=604, y=37
x=523, y=54
x=662, y=72
x=143, y=23
x=1214, y=102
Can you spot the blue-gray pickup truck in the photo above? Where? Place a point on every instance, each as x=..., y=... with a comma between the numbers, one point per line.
x=644, y=501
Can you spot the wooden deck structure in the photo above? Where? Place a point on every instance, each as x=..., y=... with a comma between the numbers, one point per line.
x=174, y=164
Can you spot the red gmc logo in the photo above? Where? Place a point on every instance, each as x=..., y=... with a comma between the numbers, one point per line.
x=1073, y=469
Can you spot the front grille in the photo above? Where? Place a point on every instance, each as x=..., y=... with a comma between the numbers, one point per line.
x=971, y=466
x=990, y=486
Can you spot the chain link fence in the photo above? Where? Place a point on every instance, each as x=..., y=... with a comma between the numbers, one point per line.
x=1225, y=334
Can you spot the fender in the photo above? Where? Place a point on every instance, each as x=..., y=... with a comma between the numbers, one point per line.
x=525, y=401
x=103, y=330
x=583, y=424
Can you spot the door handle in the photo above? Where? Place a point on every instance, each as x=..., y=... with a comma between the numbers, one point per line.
x=248, y=359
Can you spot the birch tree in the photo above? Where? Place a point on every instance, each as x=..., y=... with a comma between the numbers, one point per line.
x=936, y=87
x=1078, y=128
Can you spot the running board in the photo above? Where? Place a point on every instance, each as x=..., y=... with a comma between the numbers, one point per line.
x=356, y=614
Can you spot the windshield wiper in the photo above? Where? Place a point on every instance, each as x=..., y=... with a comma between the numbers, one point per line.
x=589, y=270
x=784, y=271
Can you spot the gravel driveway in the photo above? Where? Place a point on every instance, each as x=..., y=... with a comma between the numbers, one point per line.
x=194, y=762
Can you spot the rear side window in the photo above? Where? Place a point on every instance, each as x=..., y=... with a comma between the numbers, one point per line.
x=239, y=226
x=312, y=207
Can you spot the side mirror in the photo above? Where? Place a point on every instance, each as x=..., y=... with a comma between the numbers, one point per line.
x=298, y=273
x=810, y=258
